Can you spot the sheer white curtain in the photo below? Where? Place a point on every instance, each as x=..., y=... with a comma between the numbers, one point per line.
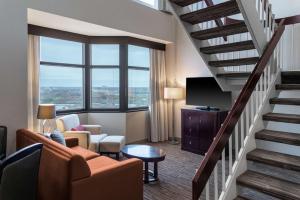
x=33, y=81
x=158, y=106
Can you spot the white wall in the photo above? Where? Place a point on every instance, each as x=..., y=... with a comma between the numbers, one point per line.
x=133, y=125
x=291, y=47
x=120, y=14
x=113, y=123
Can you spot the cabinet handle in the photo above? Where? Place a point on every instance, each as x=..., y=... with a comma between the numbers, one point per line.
x=190, y=142
x=190, y=118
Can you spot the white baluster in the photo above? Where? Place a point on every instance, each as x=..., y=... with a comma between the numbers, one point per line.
x=216, y=182
x=207, y=190
x=247, y=118
x=236, y=137
x=257, y=96
x=223, y=170
x=242, y=129
x=263, y=11
x=230, y=155
x=252, y=107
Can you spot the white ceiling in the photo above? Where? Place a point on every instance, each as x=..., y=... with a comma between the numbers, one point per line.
x=53, y=21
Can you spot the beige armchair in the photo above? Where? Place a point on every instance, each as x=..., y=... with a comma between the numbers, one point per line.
x=89, y=138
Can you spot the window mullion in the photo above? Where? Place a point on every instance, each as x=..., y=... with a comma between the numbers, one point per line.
x=123, y=77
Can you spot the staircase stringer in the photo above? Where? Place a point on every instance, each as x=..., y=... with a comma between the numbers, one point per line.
x=176, y=10
x=254, y=24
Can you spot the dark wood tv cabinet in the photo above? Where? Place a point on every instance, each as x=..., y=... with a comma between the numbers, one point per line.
x=198, y=129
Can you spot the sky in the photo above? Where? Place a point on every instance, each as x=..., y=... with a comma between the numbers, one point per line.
x=60, y=51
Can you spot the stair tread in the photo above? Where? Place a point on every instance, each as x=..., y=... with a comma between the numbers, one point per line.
x=279, y=136
x=285, y=101
x=241, y=198
x=290, y=77
x=234, y=62
x=184, y=3
x=270, y=185
x=212, y=12
x=231, y=47
x=288, y=87
x=222, y=31
x=275, y=159
x=234, y=75
x=279, y=117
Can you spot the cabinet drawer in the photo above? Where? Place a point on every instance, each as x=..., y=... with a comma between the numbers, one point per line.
x=190, y=124
x=196, y=145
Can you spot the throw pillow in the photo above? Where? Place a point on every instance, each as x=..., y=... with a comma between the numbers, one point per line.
x=58, y=137
x=78, y=128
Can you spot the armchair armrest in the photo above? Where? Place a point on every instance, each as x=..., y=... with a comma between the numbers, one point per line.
x=125, y=177
x=82, y=136
x=72, y=142
x=94, y=129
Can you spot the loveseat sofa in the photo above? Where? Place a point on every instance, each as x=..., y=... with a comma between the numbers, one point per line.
x=74, y=173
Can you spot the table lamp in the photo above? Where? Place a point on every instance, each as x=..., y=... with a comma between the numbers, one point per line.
x=172, y=94
x=46, y=112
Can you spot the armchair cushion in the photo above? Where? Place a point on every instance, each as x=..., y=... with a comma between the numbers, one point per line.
x=58, y=137
x=94, y=129
x=78, y=128
x=71, y=142
x=66, y=123
x=83, y=137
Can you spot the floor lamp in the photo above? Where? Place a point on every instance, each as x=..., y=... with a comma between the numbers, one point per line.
x=172, y=94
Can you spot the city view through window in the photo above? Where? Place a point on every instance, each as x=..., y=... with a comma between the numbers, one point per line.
x=63, y=75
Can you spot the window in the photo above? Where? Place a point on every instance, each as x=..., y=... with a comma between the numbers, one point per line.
x=61, y=51
x=105, y=76
x=61, y=74
x=138, y=77
x=150, y=3
x=105, y=92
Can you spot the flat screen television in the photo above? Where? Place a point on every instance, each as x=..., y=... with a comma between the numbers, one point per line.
x=206, y=94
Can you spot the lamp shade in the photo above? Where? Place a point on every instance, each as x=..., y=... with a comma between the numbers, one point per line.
x=173, y=93
x=46, y=111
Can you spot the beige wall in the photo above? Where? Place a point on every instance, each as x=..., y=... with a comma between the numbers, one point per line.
x=137, y=126
x=125, y=15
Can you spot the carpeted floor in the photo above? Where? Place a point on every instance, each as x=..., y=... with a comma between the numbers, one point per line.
x=175, y=173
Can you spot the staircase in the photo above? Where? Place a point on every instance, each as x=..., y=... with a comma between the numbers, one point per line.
x=274, y=167
x=247, y=50
x=228, y=49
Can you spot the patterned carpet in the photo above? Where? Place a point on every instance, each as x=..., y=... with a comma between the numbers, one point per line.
x=175, y=173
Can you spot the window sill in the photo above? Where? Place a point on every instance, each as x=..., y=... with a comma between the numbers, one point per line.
x=61, y=113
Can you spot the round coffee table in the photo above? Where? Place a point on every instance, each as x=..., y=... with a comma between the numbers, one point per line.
x=147, y=154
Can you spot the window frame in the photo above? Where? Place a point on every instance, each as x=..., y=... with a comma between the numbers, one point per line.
x=82, y=66
x=127, y=85
x=87, y=41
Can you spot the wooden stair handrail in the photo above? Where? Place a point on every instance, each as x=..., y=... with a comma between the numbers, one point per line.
x=215, y=151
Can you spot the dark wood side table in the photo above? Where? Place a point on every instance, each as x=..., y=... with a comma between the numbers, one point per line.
x=147, y=154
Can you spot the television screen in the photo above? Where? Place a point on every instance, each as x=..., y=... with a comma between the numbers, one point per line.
x=206, y=92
